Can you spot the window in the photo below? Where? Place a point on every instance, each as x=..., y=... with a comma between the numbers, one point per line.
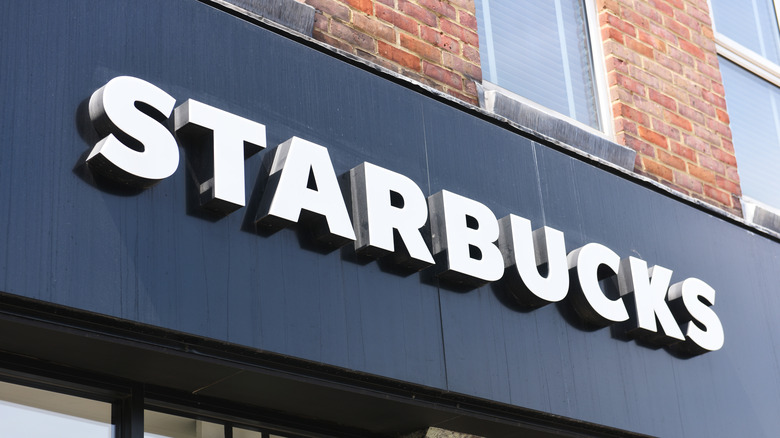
x=30, y=412
x=541, y=51
x=35, y=413
x=748, y=41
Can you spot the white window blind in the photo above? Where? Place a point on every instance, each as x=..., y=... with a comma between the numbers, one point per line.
x=749, y=30
x=540, y=50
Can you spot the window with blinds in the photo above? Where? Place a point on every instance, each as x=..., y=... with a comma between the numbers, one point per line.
x=749, y=47
x=540, y=50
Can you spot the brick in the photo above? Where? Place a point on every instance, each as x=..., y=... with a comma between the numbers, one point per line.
x=688, y=182
x=709, y=71
x=696, y=143
x=682, y=57
x=447, y=77
x=467, y=5
x=653, y=137
x=714, y=99
x=707, y=135
x=612, y=33
x=425, y=50
x=648, y=107
x=440, y=7
x=468, y=20
x=718, y=195
x=658, y=169
x=638, y=47
x=616, y=64
x=418, y=13
x=658, y=70
x=677, y=28
x=330, y=7
x=655, y=42
x=683, y=151
x=701, y=173
x=373, y=27
x=679, y=4
x=641, y=147
x=732, y=174
x=712, y=164
x=668, y=131
x=648, y=11
x=702, y=106
x=691, y=113
x=352, y=36
x=702, y=15
x=662, y=32
x=717, y=87
x=719, y=127
x=366, y=6
x=390, y=3
x=671, y=160
x=729, y=186
x=403, y=58
x=724, y=157
x=464, y=97
x=460, y=32
x=669, y=63
x=727, y=145
x=623, y=26
x=458, y=64
x=471, y=54
x=662, y=7
x=398, y=20
x=624, y=125
x=677, y=120
x=662, y=99
x=440, y=40
x=630, y=84
x=327, y=39
x=689, y=21
x=630, y=16
x=691, y=48
x=706, y=43
x=321, y=22
x=621, y=109
x=620, y=51
x=377, y=60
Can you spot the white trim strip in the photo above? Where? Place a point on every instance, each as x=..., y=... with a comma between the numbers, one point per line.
x=747, y=59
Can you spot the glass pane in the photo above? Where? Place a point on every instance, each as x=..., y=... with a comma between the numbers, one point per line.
x=159, y=425
x=539, y=50
x=750, y=23
x=35, y=413
x=243, y=433
x=754, y=109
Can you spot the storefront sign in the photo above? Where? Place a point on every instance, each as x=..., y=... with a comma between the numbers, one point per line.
x=469, y=245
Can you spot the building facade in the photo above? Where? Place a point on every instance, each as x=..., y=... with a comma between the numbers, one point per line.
x=389, y=218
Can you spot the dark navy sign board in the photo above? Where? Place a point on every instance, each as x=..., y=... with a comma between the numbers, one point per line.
x=147, y=257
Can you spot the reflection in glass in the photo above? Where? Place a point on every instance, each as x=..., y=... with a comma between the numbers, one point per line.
x=34, y=413
x=159, y=425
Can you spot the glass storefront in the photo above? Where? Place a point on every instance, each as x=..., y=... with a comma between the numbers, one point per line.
x=27, y=412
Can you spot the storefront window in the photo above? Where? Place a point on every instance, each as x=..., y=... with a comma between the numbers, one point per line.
x=35, y=413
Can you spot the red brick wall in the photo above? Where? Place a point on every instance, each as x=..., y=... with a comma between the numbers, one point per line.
x=667, y=96
x=432, y=41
